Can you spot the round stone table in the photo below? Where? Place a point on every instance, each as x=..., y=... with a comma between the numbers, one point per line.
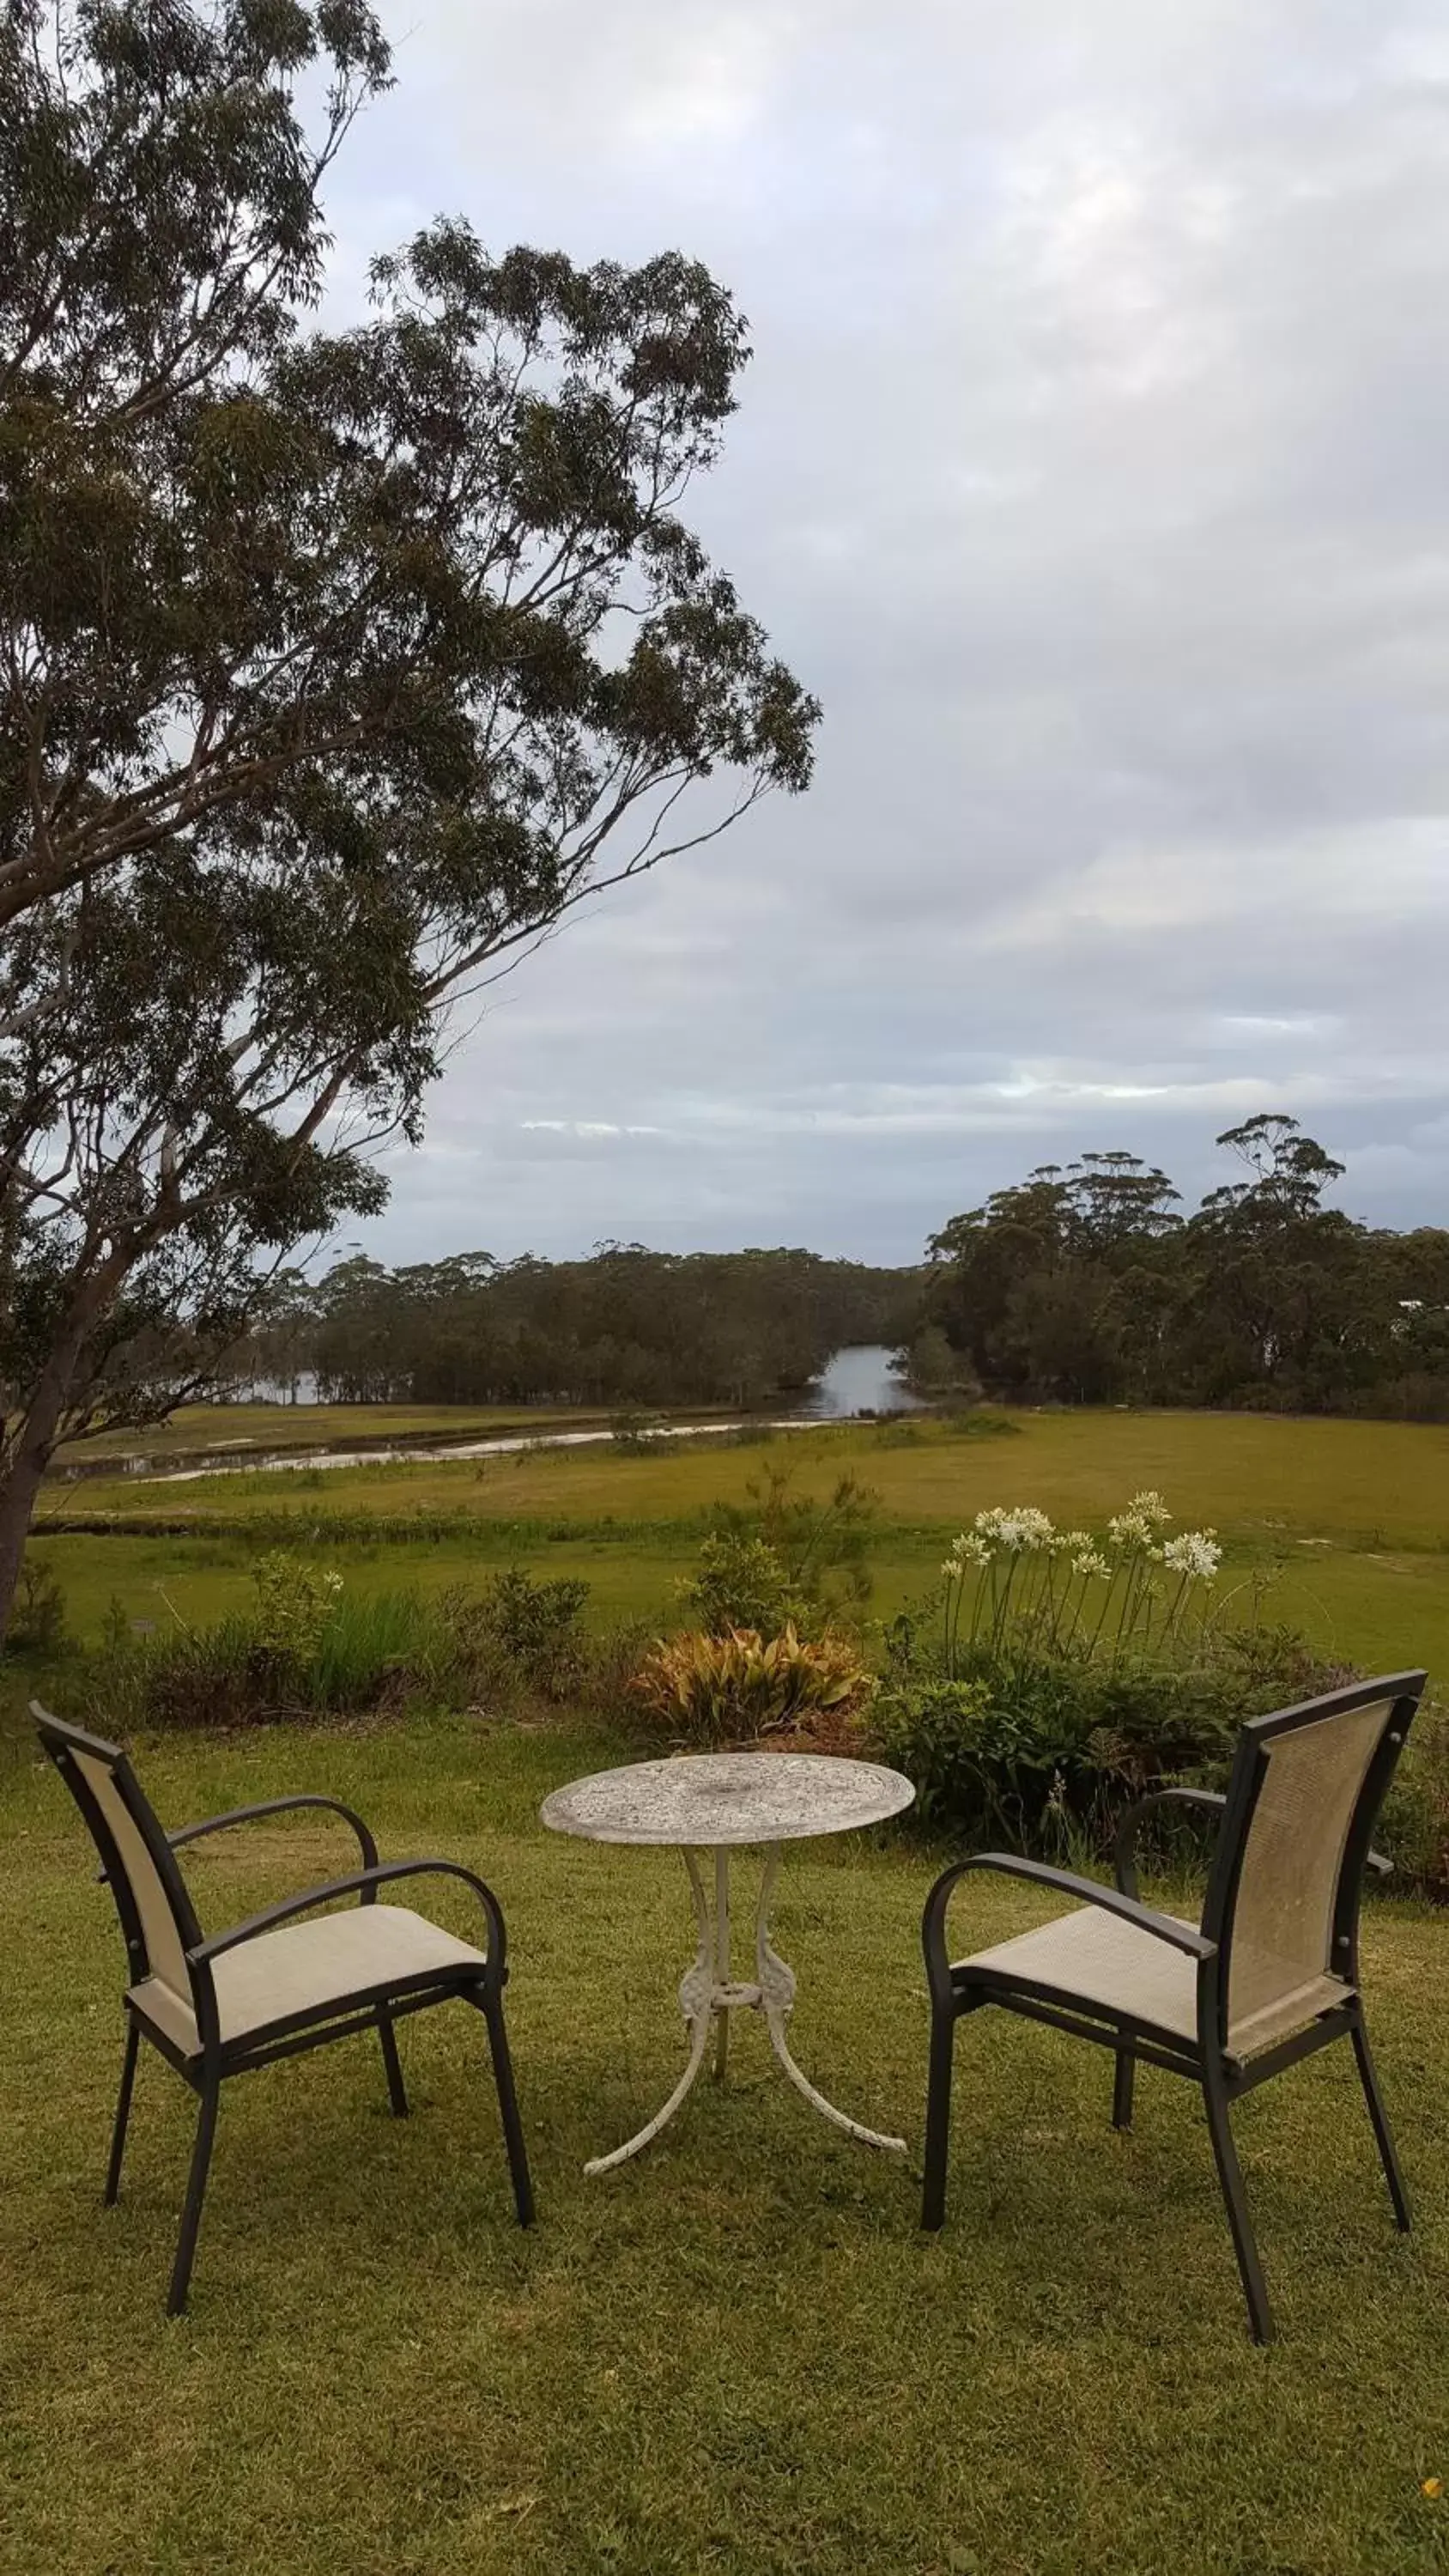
x=716, y=1802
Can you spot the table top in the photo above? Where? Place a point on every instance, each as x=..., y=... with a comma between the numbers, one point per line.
x=704, y=1800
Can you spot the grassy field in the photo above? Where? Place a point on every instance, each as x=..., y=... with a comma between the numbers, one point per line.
x=737, y=2355
x=1354, y=1516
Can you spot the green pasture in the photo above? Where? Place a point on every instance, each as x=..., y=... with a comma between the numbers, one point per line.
x=737, y=2356
x=1351, y=1518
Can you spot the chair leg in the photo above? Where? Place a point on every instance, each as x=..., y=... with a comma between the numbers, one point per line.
x=1122, y=2089
x=1393, y=2171
x=1230, y=2175
x=938, y=2119
x=123, y=2113
x=396, y=2089
x=195, y=2191
x=492, y=2003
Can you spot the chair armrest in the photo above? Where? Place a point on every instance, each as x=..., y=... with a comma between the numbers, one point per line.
x=278, y=1807
x=271, y=1807
x=1124, y=1849
x=363, y=1883
x=1380, y=1865
x=1062, y=1882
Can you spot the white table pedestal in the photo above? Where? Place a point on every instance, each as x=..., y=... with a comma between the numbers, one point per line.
x=708, y=1995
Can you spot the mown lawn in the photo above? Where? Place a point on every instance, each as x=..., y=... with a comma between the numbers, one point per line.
x=737, y=2354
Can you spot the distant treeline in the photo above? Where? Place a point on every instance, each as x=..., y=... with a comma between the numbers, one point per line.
x=1083, y=1284
x=628, y=1328
x=1088, y=1285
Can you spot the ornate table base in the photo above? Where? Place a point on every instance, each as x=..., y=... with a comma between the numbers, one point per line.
x=708, y=1995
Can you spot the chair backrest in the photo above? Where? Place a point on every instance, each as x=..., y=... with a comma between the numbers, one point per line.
x=1282, y=1903
x=156, y=1913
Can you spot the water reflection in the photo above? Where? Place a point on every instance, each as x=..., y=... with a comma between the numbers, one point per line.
x=859, y=1380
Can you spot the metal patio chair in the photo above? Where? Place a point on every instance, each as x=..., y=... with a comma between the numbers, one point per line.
x=270, y=1987
x=1268, y=1976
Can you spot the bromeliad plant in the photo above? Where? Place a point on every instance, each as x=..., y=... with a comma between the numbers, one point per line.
x=736, y=1688
x=1019, y=1589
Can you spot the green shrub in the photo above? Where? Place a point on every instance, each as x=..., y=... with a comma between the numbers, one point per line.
x=713, y=1690
x=295, y=1601
x=37, y=1623
x=822, y=1547
x=1060, y=1672
x=1044, y=1754
x=1413, y=1829
x=740, y=1582
x=536, y=1626
x=309, y=1648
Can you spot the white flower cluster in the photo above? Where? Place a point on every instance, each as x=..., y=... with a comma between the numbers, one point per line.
x=1090, y=1560
x=1138, y=1525
x=1020, y=1530
x=1195, y=1553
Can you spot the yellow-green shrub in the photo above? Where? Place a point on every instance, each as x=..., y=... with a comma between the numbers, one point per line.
x=738, y=1686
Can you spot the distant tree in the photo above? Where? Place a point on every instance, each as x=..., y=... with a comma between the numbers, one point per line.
x=1087, y=1285
x=932, y=1368
x=1290, y=1173
x=336, y=668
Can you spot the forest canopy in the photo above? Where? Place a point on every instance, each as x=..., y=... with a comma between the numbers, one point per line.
x=1084, y=1283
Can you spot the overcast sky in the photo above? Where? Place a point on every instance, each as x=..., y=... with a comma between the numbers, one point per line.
x=1092, y=468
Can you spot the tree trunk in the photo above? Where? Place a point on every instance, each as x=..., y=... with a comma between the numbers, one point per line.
x=40, y=1431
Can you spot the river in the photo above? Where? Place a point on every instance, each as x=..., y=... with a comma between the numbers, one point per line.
x=859, y=1380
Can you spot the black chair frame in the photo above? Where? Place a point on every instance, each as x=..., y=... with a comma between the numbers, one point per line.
x=375, y=2007
x=1207, y=2062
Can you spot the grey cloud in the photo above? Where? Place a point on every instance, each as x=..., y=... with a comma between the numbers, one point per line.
x=1092, y=466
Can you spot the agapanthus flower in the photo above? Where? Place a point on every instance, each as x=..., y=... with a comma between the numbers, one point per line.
x=1130, y=1529
x=1195, y=1553
x=1090, y=1560
x=1022, y=1527
x=969, y=1549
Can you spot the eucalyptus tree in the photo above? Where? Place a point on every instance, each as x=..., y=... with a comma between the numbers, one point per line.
x=337, y=666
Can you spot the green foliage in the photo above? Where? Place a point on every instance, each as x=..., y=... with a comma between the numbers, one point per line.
x=1069, y=1669
x=38, y=1621
x=1088, y=1286
x=740, y=1582
x=822, y=1548
x=536, y=1625
x=1042, y=1754
x=295, y=1602
x=737, y=1688
x=628, y=1328
x=271, y=598
x=311, y=1648
x=933, y=1368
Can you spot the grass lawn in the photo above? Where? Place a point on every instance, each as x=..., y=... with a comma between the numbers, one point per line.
x=737, y=2355
x=1354, y=1515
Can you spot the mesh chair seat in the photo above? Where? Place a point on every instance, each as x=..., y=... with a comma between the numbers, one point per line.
x=1117, y=1969
x=308, y=1970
